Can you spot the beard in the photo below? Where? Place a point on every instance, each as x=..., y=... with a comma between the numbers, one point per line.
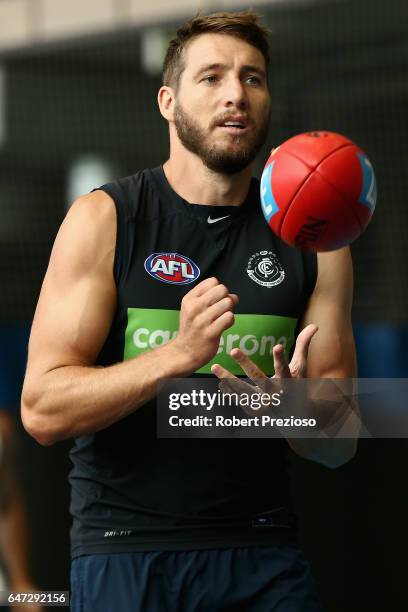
x=220, y=157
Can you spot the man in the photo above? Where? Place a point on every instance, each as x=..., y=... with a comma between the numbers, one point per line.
x=177, y=524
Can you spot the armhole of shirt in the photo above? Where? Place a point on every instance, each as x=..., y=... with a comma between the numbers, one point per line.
x=114, y=191
x=310, y=268
x=310, y=275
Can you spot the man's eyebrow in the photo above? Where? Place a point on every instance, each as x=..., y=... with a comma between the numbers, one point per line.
x=218, y=66
x=250, y=68
x=207, y=67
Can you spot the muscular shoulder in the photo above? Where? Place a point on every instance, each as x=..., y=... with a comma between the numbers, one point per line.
x=78, y=289
x=87, y=235
x=95, y=212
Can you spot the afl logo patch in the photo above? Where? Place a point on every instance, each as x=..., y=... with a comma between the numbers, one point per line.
x=172, y=268
x=265, y=269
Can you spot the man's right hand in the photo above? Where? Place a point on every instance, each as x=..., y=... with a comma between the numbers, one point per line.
x=206, y=311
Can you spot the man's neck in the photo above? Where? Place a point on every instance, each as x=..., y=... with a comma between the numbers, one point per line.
x=196, y=184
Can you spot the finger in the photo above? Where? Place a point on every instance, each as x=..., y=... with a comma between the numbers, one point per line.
x=279, y=362
x=216, y=310
x=231, y=383
x=203, y=286
x=237, y=387
x=213, y=295
x=223, y=322
x=302, y=346
x=216, y=294
x=234, y=389
x=221, y=372
x=250, y=368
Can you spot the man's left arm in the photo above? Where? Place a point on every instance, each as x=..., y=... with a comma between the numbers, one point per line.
x=331, y=352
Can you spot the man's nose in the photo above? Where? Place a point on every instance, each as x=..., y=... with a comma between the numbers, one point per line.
x=235, y=94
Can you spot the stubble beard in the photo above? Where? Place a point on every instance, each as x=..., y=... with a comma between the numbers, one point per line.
x=217, y=157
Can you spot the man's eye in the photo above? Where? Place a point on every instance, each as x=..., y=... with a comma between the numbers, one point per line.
x=254, y=80
x=212, y=78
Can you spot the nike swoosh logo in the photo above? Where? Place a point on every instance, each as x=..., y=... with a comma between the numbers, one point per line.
x=209, y=220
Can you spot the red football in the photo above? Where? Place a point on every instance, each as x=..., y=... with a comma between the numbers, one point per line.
x=318, y=191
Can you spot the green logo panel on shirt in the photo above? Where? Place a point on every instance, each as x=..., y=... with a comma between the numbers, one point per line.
x=254, y=334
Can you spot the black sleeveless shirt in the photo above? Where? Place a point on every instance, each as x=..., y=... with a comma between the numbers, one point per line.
x=132, y=491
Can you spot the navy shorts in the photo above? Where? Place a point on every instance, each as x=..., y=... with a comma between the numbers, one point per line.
x=256, y=579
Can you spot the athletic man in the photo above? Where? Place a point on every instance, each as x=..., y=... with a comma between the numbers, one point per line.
x=162, y=524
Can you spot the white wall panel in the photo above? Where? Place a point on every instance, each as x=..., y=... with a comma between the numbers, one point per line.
x=13, y=23
x=61, y=17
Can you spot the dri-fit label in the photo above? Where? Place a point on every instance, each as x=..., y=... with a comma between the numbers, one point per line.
x=255, y=335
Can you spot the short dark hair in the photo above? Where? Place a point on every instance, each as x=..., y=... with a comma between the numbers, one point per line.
x=244, y=25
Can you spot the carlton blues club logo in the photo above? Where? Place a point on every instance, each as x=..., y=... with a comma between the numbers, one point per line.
x=172, y=268
x=265, y=269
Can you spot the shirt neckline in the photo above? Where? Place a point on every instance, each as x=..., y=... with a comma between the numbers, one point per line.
x=205, y=210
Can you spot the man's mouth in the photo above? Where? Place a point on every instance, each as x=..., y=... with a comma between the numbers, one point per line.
x=234, y=126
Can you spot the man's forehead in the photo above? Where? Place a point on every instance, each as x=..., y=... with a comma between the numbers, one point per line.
x=212, y=48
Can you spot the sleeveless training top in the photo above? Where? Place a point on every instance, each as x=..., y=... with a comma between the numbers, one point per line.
x=132, y=491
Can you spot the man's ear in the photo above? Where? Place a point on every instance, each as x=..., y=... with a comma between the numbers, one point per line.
x=166, y=101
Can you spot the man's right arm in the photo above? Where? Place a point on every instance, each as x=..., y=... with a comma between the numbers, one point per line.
x=65, y=394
